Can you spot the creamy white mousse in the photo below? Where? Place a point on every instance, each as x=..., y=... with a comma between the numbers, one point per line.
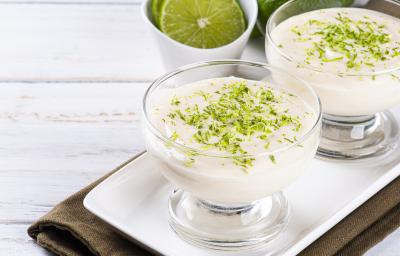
x=232, y=140
x=351, y=56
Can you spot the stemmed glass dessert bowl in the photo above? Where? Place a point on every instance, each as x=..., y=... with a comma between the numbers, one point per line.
x=229, y=198
x=351, y=57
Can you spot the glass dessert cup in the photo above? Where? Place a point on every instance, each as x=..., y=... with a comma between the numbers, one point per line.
x=217, y=205
x=356, y=125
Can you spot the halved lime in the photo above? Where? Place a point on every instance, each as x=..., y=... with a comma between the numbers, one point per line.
x=155, y=11
x=202, y=23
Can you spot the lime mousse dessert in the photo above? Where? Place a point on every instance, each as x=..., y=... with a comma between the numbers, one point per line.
x=350, y=55
x=230, y=135
x=233, y=128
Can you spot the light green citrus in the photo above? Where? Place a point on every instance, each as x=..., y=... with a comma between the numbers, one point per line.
x=155, y=11
x=202, y=23
x=267, y=7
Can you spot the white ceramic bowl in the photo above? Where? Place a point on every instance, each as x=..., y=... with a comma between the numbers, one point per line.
x=175, y=54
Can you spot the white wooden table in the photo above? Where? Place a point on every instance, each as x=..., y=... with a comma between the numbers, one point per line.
x=71, y=82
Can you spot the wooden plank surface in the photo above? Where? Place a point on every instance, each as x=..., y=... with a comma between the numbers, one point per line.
x=56, y=139
x=59, y=138
x=55, y=42
x=12, y=242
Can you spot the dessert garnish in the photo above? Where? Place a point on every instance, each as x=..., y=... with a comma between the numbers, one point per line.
x=233, y=117
x=358, y=42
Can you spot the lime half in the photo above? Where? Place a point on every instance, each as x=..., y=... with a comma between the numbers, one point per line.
x=155, y=11
x=202, y=23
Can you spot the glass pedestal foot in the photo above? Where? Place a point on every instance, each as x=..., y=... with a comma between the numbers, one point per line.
x=358, y=138
x=227, y=227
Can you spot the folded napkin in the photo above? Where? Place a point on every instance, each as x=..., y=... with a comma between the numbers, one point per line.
x=70, y=230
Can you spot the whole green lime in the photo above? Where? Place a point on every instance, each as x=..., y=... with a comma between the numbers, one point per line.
x=310, y=5
x=267, y=7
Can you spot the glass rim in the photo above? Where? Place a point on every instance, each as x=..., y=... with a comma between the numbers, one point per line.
x=154, y=85
x=287, y=57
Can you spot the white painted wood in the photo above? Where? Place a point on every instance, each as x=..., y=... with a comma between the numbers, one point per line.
x=37, y=162
x=389, y=246
x=56, y=139
x=68, y=102
x=13, y=242
x=59, y=138
x=76, y=42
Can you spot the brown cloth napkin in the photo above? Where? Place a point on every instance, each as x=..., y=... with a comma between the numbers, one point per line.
x=69, y=229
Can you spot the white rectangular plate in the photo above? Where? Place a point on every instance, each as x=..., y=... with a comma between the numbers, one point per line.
x=134, y=200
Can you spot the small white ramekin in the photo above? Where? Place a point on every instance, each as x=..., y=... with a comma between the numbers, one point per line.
x=176, y=54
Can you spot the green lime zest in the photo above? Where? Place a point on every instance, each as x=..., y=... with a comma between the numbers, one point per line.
x=357, y=42
x=234, y=117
